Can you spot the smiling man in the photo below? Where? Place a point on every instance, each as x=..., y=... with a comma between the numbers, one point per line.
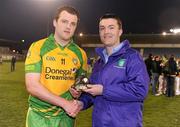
x=51, y=67
x=119, y=81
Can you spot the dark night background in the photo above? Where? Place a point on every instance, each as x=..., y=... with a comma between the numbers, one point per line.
x=31, y=20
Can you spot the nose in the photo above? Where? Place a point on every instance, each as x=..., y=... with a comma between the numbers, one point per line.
x=106, y=30
x=68, y=26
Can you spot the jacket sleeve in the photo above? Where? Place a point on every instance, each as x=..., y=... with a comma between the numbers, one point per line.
x=87, y=100
x=135, y=88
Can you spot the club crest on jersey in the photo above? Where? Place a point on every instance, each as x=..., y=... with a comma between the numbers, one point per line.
x=75, y=61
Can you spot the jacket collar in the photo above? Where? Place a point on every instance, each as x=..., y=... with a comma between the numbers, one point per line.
x=122, y=50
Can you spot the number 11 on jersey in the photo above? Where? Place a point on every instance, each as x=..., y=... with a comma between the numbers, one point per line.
x=63, y=61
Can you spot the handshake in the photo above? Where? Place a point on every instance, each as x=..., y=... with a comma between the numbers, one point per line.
x=81, y=84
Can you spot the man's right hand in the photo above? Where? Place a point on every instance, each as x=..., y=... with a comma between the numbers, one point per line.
x=35, y=88
x=73, y=107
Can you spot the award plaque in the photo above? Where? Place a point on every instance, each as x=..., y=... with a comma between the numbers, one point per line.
x=81, y=82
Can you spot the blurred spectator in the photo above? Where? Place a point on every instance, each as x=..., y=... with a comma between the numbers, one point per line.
x=156, y=71
x=162, y=85
x=162, y=78
x=1, y=60
x=148, y=63
x=171, y=74
x=91, y=62
x=13, y=62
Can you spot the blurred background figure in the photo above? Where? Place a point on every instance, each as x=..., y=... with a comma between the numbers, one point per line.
x=1, y=61
x=156, y=71
x=171, y=74
x=13, y=63
x=162, y=77
x=148, y=63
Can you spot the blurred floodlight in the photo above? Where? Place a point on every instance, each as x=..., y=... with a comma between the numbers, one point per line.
x=175, y=30
x=14, y=50
x=171, y=30
x=164, y=33
x=81, y=34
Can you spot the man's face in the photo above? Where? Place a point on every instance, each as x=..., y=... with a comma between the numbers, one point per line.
x=65, y=26
x=109, y=32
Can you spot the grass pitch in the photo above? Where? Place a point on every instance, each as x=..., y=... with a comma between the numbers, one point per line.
x=158, y=111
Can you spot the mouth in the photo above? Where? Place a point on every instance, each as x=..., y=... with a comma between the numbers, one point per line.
x=107, y=36
x=67, y=32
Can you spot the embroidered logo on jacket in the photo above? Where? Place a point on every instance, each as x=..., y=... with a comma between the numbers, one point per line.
x=120, y=63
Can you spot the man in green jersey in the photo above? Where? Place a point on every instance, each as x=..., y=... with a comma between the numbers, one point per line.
x=51, y=66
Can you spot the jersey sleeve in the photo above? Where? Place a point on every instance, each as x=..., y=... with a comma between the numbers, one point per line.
x=33, y=61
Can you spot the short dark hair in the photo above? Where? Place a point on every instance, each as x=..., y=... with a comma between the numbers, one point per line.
x=69, y=9
x=113, y=16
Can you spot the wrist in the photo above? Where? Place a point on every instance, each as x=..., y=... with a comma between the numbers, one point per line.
x=81, y=105
x=63, y=102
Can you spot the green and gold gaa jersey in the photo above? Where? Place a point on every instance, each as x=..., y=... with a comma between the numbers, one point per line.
x=58, y=67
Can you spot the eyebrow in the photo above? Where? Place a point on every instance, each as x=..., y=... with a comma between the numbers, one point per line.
x=101, y=26
x=108, y=26
x=111, y=25
x=68, y=21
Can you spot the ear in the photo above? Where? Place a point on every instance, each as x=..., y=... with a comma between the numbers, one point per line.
x=120, y=32
x=54, y=22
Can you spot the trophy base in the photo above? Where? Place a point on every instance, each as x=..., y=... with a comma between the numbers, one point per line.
x=80, y=87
